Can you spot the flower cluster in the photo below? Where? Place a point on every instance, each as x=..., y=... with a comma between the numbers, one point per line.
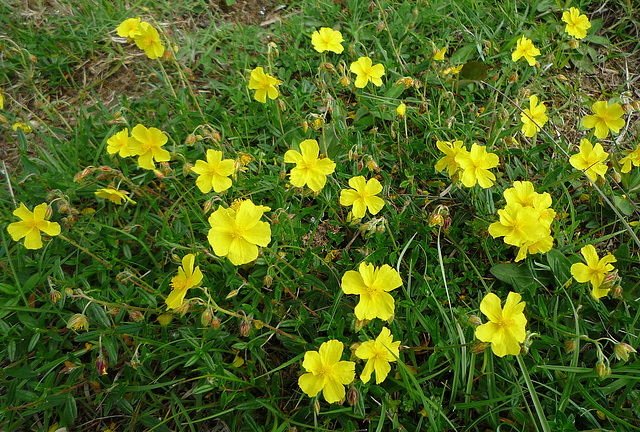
x=146, y=143
x=525, y=222
x=474, y=165
x=144, y=35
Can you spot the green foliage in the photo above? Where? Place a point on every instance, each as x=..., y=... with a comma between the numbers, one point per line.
x=230, y=358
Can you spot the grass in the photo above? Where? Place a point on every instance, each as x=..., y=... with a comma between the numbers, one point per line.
x=231, y=358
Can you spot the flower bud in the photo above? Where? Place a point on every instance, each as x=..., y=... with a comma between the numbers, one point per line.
x=574, y=43
x=267, y=281
x=602, y=369
x=113, y=311
x=136, y=316
x=622, y=351
x=616, y=292
x=190, y=140
x=352, y=395
x=316, y=407
x=245, y=328
x=380, y=27
x=55, y=296
x=77, y=322
x=401, y=110
x=101, y=365
x=474, y=320
x=48, y=212
x=478, y=347
x=570, y=345
x=513, y=78
x=215, y=323
x=305, y=126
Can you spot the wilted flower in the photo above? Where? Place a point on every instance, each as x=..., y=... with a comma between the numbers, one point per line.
x=77, y=322
x=114, y=195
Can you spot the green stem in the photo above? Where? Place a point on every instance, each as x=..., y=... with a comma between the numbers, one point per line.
x=534, y=395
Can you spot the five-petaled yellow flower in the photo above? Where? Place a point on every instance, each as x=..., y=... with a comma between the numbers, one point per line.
x=475, y=166
x=362, y=196
x=537, y=112
x=148, y=39
x=506, y=327
x=372, y=284
x=188, y=277
x=450, y=151
x=366, y=72
x=214, y=173
x=119, y=143
x=129, y=28
x=147, y=145
x=264, y=85
x=326, y=372
x=327, y=40
x=594, y=271
x=439, y=56
x=237, y=234
x=577, y=24
x=114, y=195
x=310, y=169
x=31, y=225
x=590, y=159
x=378, y=353
x=631, y=157
x=525, y=48
x=605, y=117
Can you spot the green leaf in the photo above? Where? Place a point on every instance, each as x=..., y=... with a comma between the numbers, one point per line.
x=517, y=275
x=474, y=71
x=560, y=267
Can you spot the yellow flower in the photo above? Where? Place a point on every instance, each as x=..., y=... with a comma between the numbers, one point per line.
x=309, y=170
x=119, y=143
x=519, y=225
x=362, y=196
x=506, y=327
x=188, y=277
x=326, y=372
x=439, y=56
x=214, y=173
x=264, y=84
x=366, y=72
x=372, y=284
x=401, y=110
x=24, y=127
x=237, y=234
x=147, y=145
x=450, y=151
x=590, y=159
x=114, y=195
x=148, y=40
x=577, y=24
x=604, y=117
x=475, y=166
x=632, y=157
x=594, y=271
x=378, y=353
x=327, y=40
x=31, y=225
x=525, y=48
x=537, y=112
x=129, y=28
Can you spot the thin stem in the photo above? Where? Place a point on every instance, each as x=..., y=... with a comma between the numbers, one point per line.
x=534, y=395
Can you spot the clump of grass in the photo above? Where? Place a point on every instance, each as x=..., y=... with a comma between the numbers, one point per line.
x=269, y=266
